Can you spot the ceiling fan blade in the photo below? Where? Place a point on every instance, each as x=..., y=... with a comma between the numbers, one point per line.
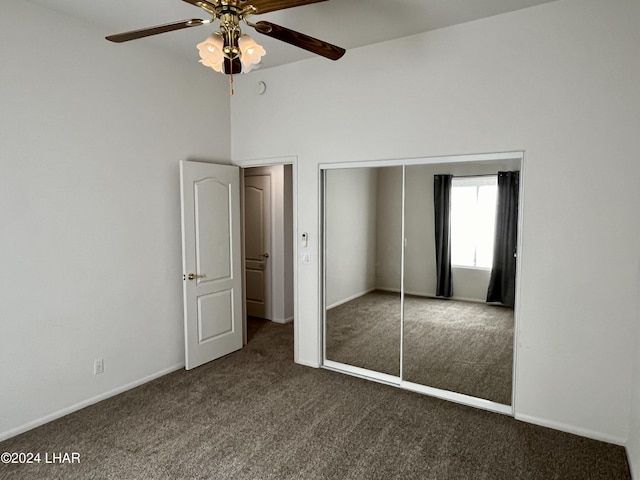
x=300, y=40
x=146, y=32
x=266, y=6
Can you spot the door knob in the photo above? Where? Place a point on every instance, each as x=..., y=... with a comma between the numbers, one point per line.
x=265, y=255
x=193, y=276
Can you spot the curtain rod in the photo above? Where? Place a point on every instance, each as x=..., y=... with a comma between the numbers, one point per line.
x=478, y=175
x=485, y=174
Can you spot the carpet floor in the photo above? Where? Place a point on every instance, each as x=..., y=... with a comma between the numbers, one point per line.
x=255, y=414
x=462, y=347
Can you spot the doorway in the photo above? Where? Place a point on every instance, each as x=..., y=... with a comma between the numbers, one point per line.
x=268, y=253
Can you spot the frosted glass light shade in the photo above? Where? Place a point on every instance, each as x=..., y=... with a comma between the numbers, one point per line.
x=210, y=51
x=250, y=52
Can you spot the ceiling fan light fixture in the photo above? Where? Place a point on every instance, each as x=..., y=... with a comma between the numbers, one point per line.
x=211, y=50
x=250, y=52
x=209, y=63
x=229, y=51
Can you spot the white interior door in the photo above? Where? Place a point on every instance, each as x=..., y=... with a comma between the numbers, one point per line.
x=211, y=261
x=257, y=244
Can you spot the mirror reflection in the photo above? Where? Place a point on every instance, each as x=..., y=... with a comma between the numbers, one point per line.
x=363, y=236
x=455, y=319
x=460, y=229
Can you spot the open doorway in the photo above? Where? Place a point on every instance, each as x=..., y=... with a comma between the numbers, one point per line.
x=268, y=257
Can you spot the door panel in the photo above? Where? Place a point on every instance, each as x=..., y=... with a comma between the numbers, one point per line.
x=211, y=261
x=215, y=312
x=257, y=221
x=213, y=228
x=255, y=285
x=254, y=197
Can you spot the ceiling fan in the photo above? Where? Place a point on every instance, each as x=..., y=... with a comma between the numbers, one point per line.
x=228, y=50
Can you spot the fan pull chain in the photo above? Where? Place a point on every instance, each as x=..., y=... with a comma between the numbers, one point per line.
x=231, y=83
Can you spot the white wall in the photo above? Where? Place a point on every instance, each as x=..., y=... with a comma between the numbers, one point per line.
x=633, y=446
x=388, y=201
x=91, y=134
x=351, y=233
x=559, y=81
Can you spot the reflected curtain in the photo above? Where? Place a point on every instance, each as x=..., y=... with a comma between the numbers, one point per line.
x=502, y=285
x=442, y=215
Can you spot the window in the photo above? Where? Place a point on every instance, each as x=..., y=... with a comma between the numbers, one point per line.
x=473, y=217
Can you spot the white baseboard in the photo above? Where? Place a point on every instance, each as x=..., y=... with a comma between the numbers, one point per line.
x=563, y=427
x=408, y=292
x=470, y=300
x=351, y=297
x=635, y=474
x=387, y=289
x=308, y=364
x=282, y=320
x=460, y=299
x=85, y=403
x=432, y=296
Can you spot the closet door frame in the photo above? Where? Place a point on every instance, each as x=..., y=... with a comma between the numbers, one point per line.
x=398, y=381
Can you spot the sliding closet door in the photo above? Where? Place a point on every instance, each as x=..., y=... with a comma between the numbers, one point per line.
x=407, y=261
x=456, y=343
x=362, y=261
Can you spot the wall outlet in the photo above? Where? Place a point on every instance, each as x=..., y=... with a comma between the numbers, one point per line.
x=98, y=366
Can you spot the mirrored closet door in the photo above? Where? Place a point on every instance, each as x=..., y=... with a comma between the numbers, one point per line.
x=362, y=268
x=419, y=275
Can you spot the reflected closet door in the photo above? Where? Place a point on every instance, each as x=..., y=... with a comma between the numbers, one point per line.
x=363, y=261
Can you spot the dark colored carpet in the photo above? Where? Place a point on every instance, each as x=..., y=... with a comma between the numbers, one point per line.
x=256, y=415
x=458, y=346
x=365, y=332
x=463, y=347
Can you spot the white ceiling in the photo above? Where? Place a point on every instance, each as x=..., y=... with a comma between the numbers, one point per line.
x=346, y=23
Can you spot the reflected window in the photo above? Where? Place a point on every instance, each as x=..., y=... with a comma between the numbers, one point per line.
x=473, y=215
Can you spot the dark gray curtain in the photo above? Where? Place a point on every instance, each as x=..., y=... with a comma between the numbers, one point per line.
x=502, y=285
x=442, y=211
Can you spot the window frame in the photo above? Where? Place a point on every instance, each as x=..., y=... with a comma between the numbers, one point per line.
x=477, y=181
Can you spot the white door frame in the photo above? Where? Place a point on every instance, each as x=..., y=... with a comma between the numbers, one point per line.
x=267, y=162
x=268, y=220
